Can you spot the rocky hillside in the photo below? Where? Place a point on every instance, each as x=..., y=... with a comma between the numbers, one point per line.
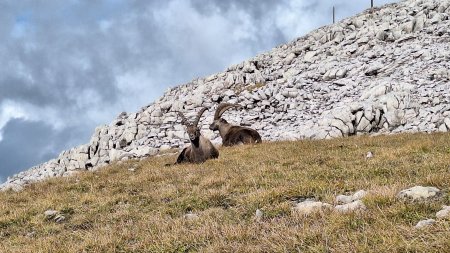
x=386, y=70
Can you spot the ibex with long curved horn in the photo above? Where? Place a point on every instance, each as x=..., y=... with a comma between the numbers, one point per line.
x=201, y=148
x=232, y=135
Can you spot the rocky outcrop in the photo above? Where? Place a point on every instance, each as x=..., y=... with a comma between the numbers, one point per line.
x=383, y=71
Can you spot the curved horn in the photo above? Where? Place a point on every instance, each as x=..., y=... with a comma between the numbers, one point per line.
x=222, y=108
x=199, y=115
x=184, y=121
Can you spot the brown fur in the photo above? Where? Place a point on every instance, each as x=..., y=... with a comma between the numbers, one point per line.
x=233, y=135
x=201, y=148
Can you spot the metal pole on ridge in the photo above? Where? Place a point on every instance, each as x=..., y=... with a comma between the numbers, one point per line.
x=334, y=15
x=371, y=3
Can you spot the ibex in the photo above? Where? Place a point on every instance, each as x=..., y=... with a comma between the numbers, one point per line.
x=201, y=148
x=232, y=135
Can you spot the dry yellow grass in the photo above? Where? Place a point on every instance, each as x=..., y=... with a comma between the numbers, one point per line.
x=116, y=210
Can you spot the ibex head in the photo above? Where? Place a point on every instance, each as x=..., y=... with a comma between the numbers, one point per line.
x=217, y=116
x=192, y=129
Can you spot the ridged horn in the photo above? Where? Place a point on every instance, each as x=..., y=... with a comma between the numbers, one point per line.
x=199, y=115
x=222, y=108
x=184, y=121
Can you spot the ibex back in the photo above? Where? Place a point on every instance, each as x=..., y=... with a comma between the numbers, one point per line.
x=232, y=135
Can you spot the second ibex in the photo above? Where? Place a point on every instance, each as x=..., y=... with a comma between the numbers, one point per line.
x=232, y=135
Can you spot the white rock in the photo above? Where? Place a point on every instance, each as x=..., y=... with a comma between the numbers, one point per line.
x=191, y=216
x=373, y=70
x=444, y=213
x=425, y=223
x=419, y=193
x=49, y=214
x=355, y=206
x=59, y=218
x=258, y=215
x=343, y=199
x=447, y=122
x=144, y=151
x=309, y=56
x=443, y=128
x=308, y=207
x=376, y=91
x=359, y=195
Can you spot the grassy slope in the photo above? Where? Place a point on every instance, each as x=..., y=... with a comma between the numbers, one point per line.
x=115, y=210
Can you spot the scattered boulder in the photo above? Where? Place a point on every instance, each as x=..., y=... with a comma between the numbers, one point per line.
x=310, y=206
x=373, y=70
x=59, y=218
x=54, y=215
x=425, y=223
x=49, y=214
x=444, y=213
x=419, y=193
x=191, y=216
x=354, y=206
x=344, y=199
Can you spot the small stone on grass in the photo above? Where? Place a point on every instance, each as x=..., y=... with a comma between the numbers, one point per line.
x=425, y=223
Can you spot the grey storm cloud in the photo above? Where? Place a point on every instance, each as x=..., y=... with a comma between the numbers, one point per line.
x=68, y=66
x=23, y=139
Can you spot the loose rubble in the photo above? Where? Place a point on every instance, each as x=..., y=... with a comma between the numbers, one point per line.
x=383, y=71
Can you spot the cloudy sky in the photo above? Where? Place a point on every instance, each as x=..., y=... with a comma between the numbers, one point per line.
x=68, y=66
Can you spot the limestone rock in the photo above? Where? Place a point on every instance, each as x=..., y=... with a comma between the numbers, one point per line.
x=345, y=199
x=419, y=193
x=59, y=218
x=354, y=206
x=309, y=56
x=191, y=216
x=425, y=223
x=309, y=206
x=373, y=70
x=49, y=214
x=444, y=213
x=258, y=215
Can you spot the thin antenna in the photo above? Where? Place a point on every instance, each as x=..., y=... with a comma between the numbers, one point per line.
x=334, y=14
